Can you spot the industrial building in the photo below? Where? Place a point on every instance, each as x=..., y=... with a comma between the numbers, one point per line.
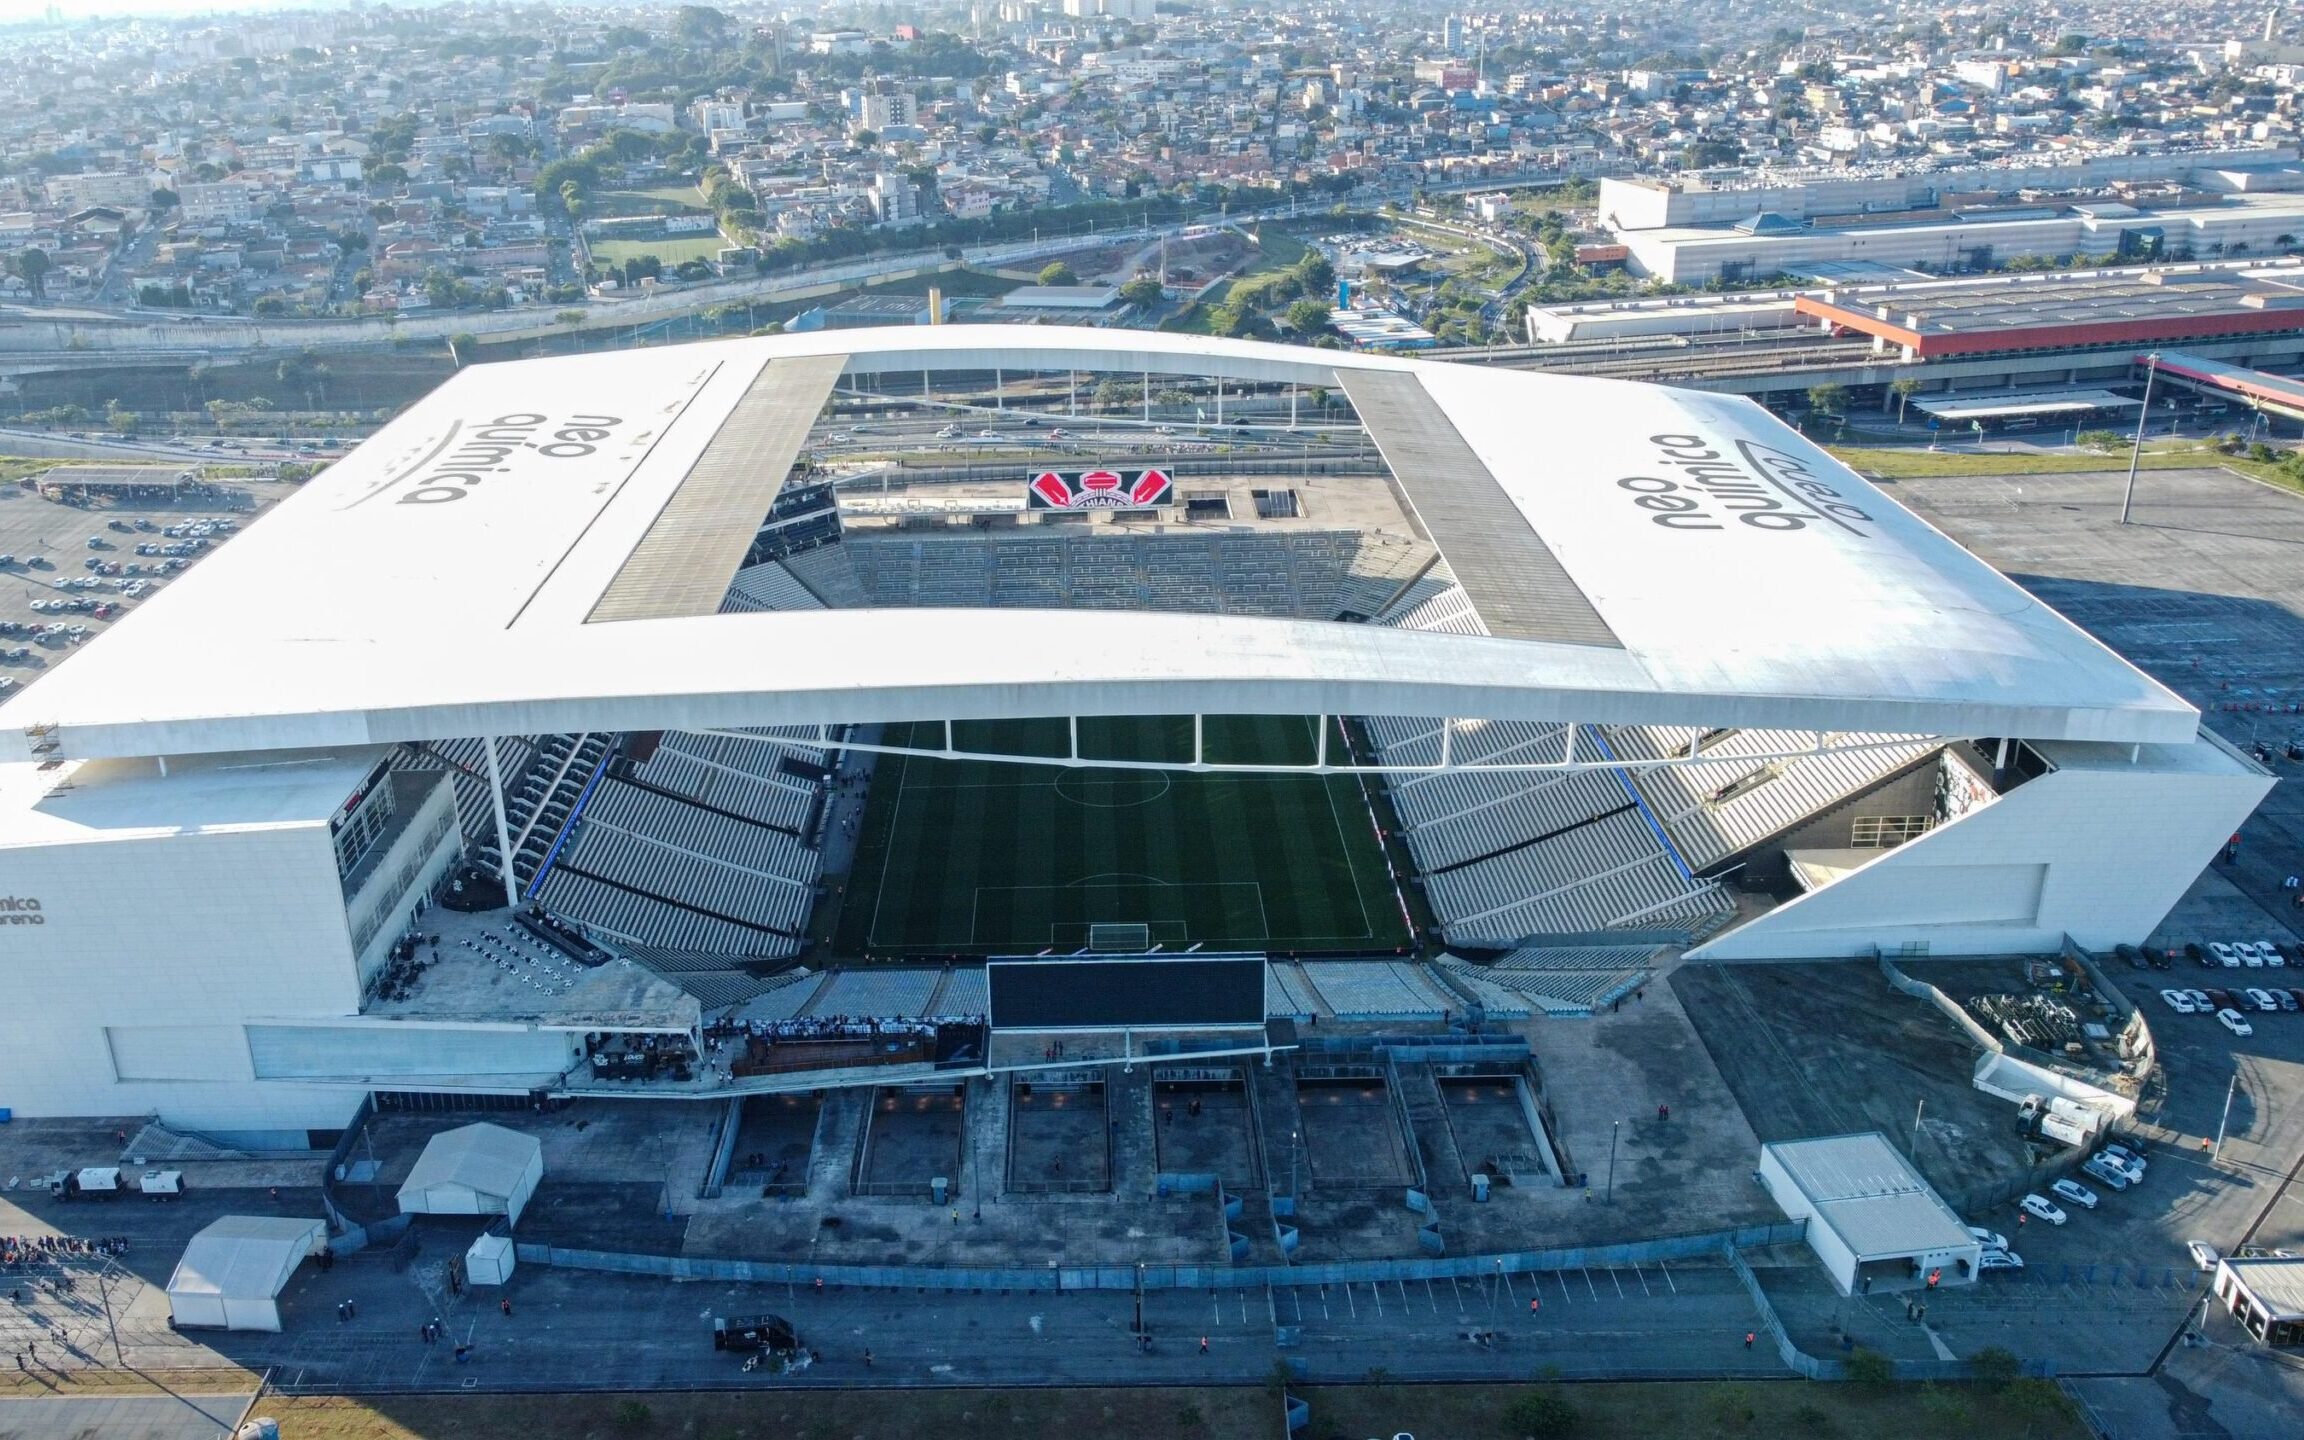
x=1872, y=1220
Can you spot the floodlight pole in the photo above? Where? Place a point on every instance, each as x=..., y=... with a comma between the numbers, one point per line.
x=2143, y=418
x=503, y=830
x=1614, y=1128
x=2223, y=1124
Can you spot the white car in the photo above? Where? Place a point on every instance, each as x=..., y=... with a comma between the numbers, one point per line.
x=2201, y=1004
x=2040, y=1208
x=2106, y=1173
x=2072, y=1192
x=2224, y=954
x=2126, y=1158
x=2177, y=1001
x=1999, y=1259
x=1989, y=1239
x=2271, y=953
x=2204, y=1256
x=2230, y=1019
x=2261, y=999
x=2250, y=956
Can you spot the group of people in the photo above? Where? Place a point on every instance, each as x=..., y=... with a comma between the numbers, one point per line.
x=832, y=1027
x=17, y=1251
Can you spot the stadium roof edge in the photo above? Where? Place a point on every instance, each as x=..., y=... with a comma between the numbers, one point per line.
x=440, y=580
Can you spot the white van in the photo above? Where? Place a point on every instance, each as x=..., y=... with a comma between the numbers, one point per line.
x=162, y=1185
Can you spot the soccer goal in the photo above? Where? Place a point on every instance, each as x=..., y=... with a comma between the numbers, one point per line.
x=1119, y=937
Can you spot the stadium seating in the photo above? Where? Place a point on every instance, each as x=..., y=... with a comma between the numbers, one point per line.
x=890, y=994
x=768, y=586
x=1378, y=990
x=1726, y=802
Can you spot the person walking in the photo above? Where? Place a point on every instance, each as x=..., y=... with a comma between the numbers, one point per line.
x=1203, y=1344
x=505, y=1305
x=1748, y=1337
x=1534, y=1304
x=867, y=1358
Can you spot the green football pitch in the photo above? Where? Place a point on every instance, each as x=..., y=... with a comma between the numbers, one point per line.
x=983, y=857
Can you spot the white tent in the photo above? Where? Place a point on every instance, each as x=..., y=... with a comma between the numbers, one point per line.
x=233, y=1270
x=474, y=1170
x=490, y=1260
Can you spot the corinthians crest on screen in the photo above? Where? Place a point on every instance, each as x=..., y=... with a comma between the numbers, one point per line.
x=1100, y=490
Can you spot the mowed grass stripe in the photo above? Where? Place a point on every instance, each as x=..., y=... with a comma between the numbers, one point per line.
x=967, y=846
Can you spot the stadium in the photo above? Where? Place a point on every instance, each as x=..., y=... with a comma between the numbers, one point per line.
x=923, y=696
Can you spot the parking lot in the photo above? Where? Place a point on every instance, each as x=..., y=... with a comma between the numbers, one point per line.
x=52, y=600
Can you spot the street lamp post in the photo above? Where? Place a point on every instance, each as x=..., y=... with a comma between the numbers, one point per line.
x=1614, y=1128
x=2143, y=417
x=2221, y=1125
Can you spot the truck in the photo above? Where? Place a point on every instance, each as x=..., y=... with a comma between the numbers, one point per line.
x=96, y=1182
x=2055, y=1118
x=160, y=1185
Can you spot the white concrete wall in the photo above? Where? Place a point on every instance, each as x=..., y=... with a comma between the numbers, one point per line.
x=2097, y=849
x=167, y=944
x=1838, y=1260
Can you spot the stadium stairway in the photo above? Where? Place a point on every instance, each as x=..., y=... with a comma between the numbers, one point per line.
x=1435, y=1138
x=839, y=1130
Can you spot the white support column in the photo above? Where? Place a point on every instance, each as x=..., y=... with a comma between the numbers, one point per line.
x=999, y=388
x=163, y=765
x=1146, y=397
x=1447, y=741
x=503, y=828
x=948, y=737
x=1199, y=734
x=1320, y=750
x=925, y=392
x=1074, y=721
x=1072, y=394
x=1219, y=399
x=1568, y=750
x=1291, y=406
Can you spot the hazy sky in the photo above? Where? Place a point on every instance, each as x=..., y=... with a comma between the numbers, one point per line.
x=12, y=10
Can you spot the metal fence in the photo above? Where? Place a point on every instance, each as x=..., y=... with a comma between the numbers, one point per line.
x=1056, y=1278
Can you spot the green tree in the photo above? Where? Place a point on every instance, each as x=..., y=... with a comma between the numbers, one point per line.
x=32, y=266
x=1995, y=1368
x=163, y=200
x=1143, y=290
x=1829, y=399
x=1056, y=272
x=1904, y=390
x=1543, y=1413
x=1308, y=317
x=1870, y=1369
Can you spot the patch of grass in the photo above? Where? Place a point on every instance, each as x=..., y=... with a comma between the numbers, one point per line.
x=975, y=856
x=678, y=198
x=1790, y=1407
x=217, y=1380
x=765, y=1414
x=15, y=467
x=1915, y=463
x=672, y=250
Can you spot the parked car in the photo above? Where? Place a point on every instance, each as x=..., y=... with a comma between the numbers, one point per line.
x=2224, y=954
x=2177, y=1001
x=2127, y=1157
x=2074, y=1193
x=2204, y=1256
x=2219, y=999
x=2039, y=1207
x=1989, y=1239
x=2249, y=955
x=2261, y=999
x=2230, y=1019
x=1993, y=1259
x=2105, y=1173
x=2287, y=999
x=2271, y=953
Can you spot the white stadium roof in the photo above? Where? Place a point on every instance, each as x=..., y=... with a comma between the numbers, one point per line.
x=1676, y=557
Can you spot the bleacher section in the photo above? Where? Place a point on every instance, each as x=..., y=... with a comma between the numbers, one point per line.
x=1563, y=980
x=879, y=994
x=1509, y=855
x=1378, y=990
x=1307, y=574
x=768, y=586
x=706, y=846
x=741, y=777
